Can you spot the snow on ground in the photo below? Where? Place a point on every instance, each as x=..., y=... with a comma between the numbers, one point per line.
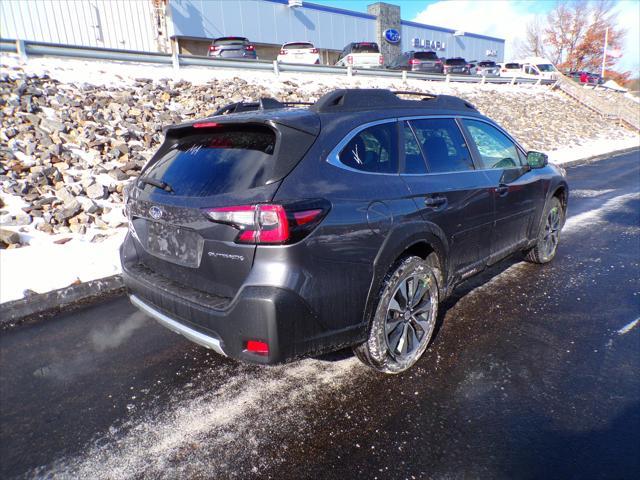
x=234, y=414
x=44, y=265
x=122, y=74
x=592, y=147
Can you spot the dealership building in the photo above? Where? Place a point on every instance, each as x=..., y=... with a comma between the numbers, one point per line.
x=270, y=23
x=189, y=26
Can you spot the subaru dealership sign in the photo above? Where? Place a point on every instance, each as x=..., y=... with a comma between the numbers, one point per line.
x=392, y=35
x=432, y=44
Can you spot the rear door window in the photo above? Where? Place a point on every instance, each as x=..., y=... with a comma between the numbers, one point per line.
x=218, y=160
x=495, y=148
x=374, y=149
x=443, y=145
x=413, y=159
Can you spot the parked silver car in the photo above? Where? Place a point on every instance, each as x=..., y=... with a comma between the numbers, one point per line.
x=488, y=68
x=232, y=47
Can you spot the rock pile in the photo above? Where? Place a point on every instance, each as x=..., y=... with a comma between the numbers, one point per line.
x=68, y=150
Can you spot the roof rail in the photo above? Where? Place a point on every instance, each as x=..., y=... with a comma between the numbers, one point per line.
x=372, y=98
x=264, y=103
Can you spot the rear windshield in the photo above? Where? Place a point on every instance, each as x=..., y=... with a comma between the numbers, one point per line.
x=218, y=160
x=425, y=55
x=455, y=61
x=512, y=65
x=365, y=48
x=230, y=41
x=487, y=64
x=297, y=46
x=546, y=67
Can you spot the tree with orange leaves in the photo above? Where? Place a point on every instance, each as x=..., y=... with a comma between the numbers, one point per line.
x=574, y=36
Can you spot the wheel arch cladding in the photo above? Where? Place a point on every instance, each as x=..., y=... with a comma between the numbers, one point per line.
x=415, y=239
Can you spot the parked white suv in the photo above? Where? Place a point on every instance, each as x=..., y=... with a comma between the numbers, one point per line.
x=361, y=55
x=510, y=69
x=299, y=52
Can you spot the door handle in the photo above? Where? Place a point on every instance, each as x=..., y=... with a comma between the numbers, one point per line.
x=435, y=202
x=502, y=190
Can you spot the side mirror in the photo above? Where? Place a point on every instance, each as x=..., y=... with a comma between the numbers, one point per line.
x=537, y=159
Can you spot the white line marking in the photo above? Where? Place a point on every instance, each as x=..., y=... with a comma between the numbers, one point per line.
x=627, y=328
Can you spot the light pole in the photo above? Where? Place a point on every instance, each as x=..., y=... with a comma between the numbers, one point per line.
x=604, y=52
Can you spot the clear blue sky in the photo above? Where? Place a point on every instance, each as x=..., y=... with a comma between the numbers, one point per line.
x=411, y=8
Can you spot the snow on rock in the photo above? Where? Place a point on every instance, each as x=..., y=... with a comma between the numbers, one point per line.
x=74, y=133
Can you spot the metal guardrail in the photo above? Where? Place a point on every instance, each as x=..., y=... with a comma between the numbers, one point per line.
x=26, y=48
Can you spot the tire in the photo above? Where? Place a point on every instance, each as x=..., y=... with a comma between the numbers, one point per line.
x=547, y=243
x=400, y=332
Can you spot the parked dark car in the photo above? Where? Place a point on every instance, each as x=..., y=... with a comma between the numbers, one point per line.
x=232, y=47
x=457, y=66
x=487, y=68
x=427, y=62
x=272, y=233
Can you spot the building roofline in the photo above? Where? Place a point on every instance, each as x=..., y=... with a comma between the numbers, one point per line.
x=325, y=8
x=449, y=30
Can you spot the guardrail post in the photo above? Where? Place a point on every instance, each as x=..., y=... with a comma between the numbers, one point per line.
x=513, y=80
x=276, y=68
x=175, y=60
x=484, y=79
x=448, y=78
x=349, y=71
x=404, y=76
x=539, y=82
x=21, y=49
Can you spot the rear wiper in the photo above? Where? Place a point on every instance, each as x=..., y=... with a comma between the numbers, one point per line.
x=156, y=183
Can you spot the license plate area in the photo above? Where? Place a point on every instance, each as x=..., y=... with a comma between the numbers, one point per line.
x=175, y=244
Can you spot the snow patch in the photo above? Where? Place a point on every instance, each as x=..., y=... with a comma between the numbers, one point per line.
x=227, y=418
x=591, y=148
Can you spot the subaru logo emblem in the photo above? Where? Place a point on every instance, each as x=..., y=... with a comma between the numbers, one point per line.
x=155, y=212
x=392, y=35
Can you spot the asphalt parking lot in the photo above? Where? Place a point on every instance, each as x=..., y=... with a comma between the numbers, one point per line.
x=533, y=373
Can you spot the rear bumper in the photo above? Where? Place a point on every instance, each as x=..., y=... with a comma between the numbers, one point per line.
x=272, y=315
x=194, y=335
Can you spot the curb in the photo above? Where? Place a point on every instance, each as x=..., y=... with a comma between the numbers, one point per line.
x=595, y=158
x=17, y=311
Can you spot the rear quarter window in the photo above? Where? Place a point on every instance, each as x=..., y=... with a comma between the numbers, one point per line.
x=373, y=149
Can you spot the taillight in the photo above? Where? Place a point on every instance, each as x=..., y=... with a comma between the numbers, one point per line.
x=283, y=52
x=212, y=48
x=249, y=48
x=381, y=60
x=503, y=70
x=438, y=62
x=314, y=50
x=349, y=59
x=205, y=125
x=414, y=61
x=271, y=223
x=255, y=346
